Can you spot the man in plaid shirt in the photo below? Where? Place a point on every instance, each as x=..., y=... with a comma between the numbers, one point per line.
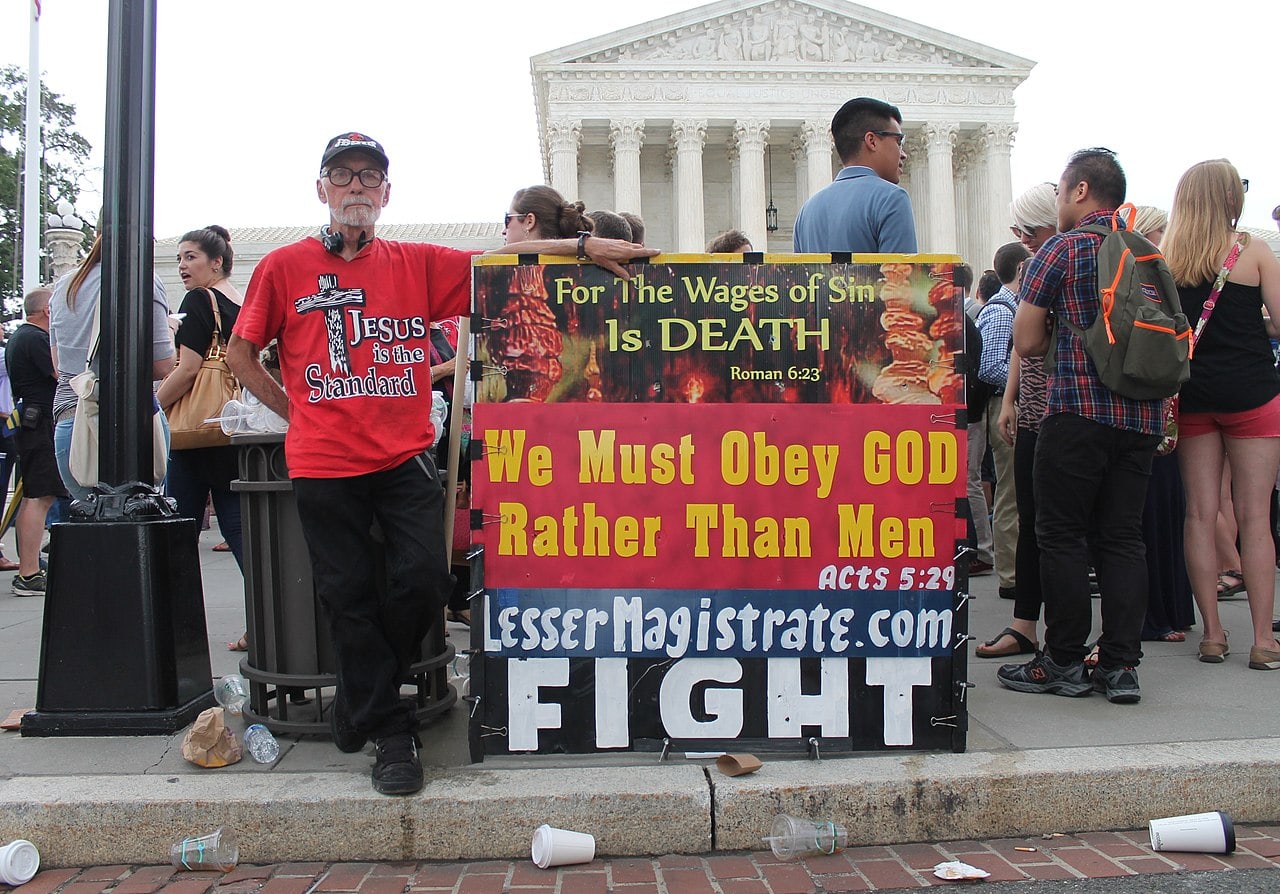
x=1093, y=458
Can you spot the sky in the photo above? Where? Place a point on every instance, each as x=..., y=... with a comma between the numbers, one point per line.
x=248, y=93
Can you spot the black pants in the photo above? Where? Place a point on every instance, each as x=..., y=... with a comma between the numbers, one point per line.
x=1026, y=605
x=375, y=638
x=196, y=474
x=1092, y=479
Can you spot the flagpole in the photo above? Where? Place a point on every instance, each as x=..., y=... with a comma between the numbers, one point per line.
x=31, y=182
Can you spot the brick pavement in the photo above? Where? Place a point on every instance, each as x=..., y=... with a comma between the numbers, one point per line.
x=885, y=868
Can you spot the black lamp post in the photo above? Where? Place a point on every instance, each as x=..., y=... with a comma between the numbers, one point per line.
x=124, y=649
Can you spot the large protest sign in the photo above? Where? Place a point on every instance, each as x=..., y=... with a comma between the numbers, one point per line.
x=718, y=504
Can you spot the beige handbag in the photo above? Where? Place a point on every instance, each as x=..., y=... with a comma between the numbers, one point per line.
x=214, y=385
x=83, y=459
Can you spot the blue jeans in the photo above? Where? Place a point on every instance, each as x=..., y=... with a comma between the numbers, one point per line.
x=62, y=449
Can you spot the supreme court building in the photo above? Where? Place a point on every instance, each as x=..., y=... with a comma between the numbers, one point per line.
x=719, y=118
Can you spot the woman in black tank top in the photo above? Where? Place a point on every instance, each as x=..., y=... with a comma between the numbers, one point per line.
x=1231, y=405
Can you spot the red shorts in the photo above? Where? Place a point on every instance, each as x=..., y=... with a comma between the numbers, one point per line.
x=1260, y=422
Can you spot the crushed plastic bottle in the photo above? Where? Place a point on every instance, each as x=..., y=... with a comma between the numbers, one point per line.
x=261, y=745
x=232, y=692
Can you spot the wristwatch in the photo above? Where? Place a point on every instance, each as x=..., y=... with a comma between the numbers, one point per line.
x=582, y=245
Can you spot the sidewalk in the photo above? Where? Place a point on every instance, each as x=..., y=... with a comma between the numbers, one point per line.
x=1204, y=737
x=1086, y=856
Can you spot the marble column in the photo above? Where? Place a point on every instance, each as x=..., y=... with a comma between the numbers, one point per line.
x=962, y=163
x=980, y=212
x=626, y=136
x=735, y=182
x=939, y=140
x=800, y=162
x=916, y=183
x=564, y=137
x=688, y=136
x=816, y=136
x=750, y=136
x=997, y=143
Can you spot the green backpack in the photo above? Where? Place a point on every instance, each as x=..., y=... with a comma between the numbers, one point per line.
x=1140, y=342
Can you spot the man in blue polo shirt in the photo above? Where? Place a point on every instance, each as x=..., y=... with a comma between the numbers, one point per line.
x=863, y=209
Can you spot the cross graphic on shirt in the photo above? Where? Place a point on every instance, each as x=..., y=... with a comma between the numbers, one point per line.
x=331, y=300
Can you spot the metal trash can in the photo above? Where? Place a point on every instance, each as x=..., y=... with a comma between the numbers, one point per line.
x=290, y=662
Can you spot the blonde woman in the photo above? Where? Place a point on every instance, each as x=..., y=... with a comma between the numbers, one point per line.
x=1232, y=402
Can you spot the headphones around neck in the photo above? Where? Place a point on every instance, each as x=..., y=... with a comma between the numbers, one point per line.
x=334, y=242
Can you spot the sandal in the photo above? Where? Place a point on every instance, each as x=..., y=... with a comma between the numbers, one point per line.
x=462, y=616
x=1173, y=636
x=240, y=645
x=1091, y=659
x=1226, y=589
x=1021, y=645
x=222, y=547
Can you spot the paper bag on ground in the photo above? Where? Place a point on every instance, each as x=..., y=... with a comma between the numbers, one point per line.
x=209, y=743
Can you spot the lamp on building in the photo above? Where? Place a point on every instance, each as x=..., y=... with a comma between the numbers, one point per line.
x=771, y=210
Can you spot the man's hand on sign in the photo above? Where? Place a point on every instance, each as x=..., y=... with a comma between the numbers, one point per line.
x=607, y=253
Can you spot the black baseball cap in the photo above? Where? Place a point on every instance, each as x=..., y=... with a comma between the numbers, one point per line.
x=344, y=142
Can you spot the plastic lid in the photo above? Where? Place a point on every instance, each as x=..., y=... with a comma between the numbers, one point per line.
x=19, y=862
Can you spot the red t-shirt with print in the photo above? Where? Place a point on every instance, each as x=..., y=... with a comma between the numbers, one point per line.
x=354, y=347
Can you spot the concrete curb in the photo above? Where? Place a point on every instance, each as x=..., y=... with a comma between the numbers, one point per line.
x=81, y=821
x=475, y=814
x=950, y=797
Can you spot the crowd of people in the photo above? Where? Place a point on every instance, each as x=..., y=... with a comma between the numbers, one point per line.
x=1103, y=489
x=1159, y=507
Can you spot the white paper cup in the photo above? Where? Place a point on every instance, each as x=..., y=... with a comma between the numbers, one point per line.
x=19, y=862
x=560, y=847
x=1205, y=833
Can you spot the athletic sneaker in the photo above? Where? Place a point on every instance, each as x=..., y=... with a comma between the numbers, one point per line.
x=1119, y=683
x=397, y=770
x=29, y=586
x=1042, y=674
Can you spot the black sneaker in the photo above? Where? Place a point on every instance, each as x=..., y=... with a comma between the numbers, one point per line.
x=34, y=585
x=1119, y=683
x=1042, y=674
x=348, y=739
x=1008, y=592
x=397, y=770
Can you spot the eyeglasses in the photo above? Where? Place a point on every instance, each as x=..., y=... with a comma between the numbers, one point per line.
x=1020, y=231
x=1244, y=182
x=891, y=134
x=370, y=178
x=511, y=215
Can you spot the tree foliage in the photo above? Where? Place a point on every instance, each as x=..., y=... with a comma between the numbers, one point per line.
x=63, y=163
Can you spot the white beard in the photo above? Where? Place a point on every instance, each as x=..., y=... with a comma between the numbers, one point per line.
x=357, y=213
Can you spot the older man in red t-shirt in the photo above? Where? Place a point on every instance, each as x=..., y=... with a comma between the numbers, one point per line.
x=351, y=315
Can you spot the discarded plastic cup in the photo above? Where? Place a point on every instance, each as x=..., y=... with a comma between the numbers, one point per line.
x=561, y=847
x=19, y=862
x=795, y=837
x=232, y=692
x=216, y=850
x=1206, y=833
